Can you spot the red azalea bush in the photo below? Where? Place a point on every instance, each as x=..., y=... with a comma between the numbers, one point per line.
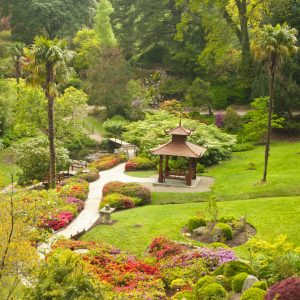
x=57, y=221
x=108, y=161
x=118, y=201
x=133, y=190
x=161, y=247
x=124, y=274
x=74, y=187
x=287, y=289
x=79, y=203
x=139, y=163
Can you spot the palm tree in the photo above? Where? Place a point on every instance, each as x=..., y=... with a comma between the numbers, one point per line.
x=47, y=63
x=270, y=47
x=16, y=51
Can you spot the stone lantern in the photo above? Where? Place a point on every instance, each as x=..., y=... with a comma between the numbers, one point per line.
x=105, y=214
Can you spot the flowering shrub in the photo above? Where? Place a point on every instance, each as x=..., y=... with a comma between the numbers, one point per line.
x=79, y=203
x=124, y=274
x=133, y=190
x=118, y=201
x=74, y=187
x=288, y=289
x=108, y=161
x=57, y=221
x=92, y=176
x=139, y=163
x=162, y=247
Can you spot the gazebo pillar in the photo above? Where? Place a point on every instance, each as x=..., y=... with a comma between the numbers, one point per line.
x=167, y=169
x=195, y=168
x=190, y=173
x=161, y=174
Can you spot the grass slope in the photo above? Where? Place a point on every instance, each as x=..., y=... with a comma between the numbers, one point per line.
x=95, y=125
x=137, y=227
x=6, y=167
x=235, y=181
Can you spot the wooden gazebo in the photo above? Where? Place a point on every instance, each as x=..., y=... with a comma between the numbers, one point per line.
x=180, y=147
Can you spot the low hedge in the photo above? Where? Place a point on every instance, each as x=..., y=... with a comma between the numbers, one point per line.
x=139, y=163
x=133, y=190
x=118, y=201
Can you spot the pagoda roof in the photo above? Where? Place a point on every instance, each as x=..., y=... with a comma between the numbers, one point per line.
x=179, y=148
x=179, y=130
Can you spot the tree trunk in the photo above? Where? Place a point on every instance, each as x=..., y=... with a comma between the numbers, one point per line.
x=268, y=137
x=51, y=136
x=18, y=70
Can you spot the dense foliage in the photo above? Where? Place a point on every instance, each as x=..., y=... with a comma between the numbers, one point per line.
x=150, y=133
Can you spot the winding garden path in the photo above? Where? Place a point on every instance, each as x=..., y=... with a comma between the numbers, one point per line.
x=90, y=214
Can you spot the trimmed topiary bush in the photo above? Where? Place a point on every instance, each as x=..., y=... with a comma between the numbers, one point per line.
x=218, y=245
x=253, y=294
x=238, y=282
x=212, y=291
x=204, y=281
x=133, y=190
x=233, y=268
x=226, y=230
x=195, y=222
x=186, y=295
x=118, y=201
x=260, y=285
x=287, y=289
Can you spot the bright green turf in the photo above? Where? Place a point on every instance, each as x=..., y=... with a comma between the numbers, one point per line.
x=142, y=174
x=95, y=125
x=6, y=167
x=234, y=181
x=271, y=217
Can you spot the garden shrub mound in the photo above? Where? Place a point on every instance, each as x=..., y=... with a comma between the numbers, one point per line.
x=140, y=163
x=133, y=190
x=228, y=230
x=108, y=161
x=254, y=294
x=73, y=187
x=118, y=201
x=211, y=292
x=238, y=281
x=91, y=176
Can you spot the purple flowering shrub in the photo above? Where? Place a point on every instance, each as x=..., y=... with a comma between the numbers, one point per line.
x=219, y=121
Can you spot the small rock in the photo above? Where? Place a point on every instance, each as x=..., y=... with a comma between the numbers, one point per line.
x=250, y=280
x=201, y=230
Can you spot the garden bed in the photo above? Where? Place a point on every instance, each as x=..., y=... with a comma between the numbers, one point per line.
x=239, y=238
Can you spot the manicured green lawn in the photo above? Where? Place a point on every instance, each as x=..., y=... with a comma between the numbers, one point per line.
x=135, y=228
x=94, y=125
x=142, y=174
x=234, y=181
x=6, y=167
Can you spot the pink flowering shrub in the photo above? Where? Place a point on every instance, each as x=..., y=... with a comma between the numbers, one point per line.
x=79, y=203
x=108, y=161
x=57, y=221
x=139, y=163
